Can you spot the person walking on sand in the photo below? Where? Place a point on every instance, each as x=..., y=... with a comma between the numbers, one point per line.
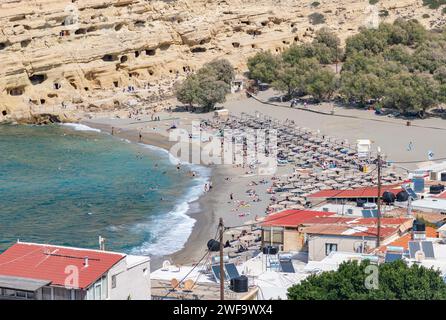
x=231, y=196
x=140, y=136
x=113, y=131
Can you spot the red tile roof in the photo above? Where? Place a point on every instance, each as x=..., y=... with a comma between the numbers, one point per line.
x=404, y=240
x=292, y=218
x=47, y=262
x=364, y=192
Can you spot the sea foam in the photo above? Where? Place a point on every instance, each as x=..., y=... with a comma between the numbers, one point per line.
x=80, y=127
x=171, y=231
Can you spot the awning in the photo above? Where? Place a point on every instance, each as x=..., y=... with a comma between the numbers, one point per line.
x=25, y=284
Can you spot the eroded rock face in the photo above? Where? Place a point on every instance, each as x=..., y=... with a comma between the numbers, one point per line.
x=63, y=56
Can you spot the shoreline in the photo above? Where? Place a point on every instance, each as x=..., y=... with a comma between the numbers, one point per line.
x=201, y=210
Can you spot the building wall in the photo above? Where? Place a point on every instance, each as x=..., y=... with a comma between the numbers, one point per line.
x=131, y=281
x=292, y=240
x=317, y=245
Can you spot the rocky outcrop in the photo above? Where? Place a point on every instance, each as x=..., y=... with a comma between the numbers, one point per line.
x=59, y=56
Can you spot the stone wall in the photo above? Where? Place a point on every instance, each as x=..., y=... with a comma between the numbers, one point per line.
x=62, y=54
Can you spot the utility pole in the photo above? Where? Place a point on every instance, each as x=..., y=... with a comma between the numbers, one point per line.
x=378, y=201
x=222, y=270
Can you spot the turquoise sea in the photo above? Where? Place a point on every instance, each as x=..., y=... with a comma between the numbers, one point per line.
x=67, y=185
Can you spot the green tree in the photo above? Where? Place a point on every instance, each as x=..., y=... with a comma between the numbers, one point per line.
x=208, y=86
x=361, y=87
x=262, y=66
x=415, y=32
x=367, y=41
x=400, y=54
x=396, y=281
x=295, y=53
x=212, y=91
x=292, y=78
x=289, y=79
x=321, y=84
x=187, y=92
x=411, y=92
x=328, y=46
x=223, y=70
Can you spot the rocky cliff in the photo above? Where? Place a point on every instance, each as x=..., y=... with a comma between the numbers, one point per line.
x=61, y=56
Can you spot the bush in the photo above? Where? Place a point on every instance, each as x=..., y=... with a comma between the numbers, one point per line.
x=434, y=4
x=316, y=18
x=373, y=2
x=315, y=4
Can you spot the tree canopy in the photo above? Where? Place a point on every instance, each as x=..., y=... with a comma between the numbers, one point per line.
x=396, y=281
x=208, y=86
x=399, y=65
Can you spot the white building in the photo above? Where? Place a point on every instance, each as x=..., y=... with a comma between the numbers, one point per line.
x=46, y=272
x=434, y=205
x=435, y=171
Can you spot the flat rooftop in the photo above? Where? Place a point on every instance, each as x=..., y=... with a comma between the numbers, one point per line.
x=161, y=289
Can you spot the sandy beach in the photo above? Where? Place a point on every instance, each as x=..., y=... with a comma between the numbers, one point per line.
x=392, y=135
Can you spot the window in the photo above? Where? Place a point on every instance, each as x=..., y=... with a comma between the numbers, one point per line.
x=20, y=294
x=46, y=293
x=277, y=235
x=61, y=293
x=97, y=291
x=113, y=281
x=9, y=293
x=104, y=285
x=16, y=293
x=329, y=247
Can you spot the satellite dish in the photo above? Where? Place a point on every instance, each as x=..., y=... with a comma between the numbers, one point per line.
x=419, y=256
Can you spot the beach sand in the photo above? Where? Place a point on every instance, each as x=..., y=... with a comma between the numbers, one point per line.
x=392, y=135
